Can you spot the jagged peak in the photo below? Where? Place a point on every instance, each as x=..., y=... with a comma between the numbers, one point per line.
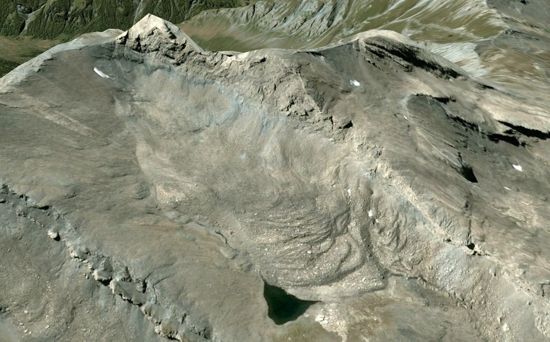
x=151, y=32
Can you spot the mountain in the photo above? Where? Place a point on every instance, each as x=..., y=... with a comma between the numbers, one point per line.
x=505, y=42
x=345, y=185
x=54, y=18
x=302, y=23
x=29, y=27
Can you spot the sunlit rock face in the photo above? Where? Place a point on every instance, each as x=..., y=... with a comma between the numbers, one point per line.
x=380, y=190
x=504, y=42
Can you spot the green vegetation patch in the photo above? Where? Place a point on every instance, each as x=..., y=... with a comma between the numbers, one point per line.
x=53, y=19
x=6, y=66
x=17, y=50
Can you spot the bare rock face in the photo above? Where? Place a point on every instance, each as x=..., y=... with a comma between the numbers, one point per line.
x=152, y=189
x=152, y=34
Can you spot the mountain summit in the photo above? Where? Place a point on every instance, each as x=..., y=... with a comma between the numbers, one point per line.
x=367, y=189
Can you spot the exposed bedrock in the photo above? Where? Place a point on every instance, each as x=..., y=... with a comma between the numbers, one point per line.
x=348, y=175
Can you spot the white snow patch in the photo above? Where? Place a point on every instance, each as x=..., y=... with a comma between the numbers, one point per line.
x=355, y=83
x=518, y=167
x=52, y=234
x=101, y=73
x=371, y=213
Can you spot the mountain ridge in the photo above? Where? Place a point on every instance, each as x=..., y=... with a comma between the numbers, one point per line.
x=353, y=175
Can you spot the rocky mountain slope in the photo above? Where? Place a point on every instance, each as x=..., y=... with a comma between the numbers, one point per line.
x=29, y=27
x=366, y=189
x=52, y=18
x=504, y=41
x=302, y=23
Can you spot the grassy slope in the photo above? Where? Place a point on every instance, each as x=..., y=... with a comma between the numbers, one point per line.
x=6, y=66
x=54, y=18
x=58, y=20
x=17, y=50
x=442, y=21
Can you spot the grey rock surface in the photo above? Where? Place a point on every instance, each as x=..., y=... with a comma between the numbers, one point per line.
x=504, y=42
x=150, y=188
